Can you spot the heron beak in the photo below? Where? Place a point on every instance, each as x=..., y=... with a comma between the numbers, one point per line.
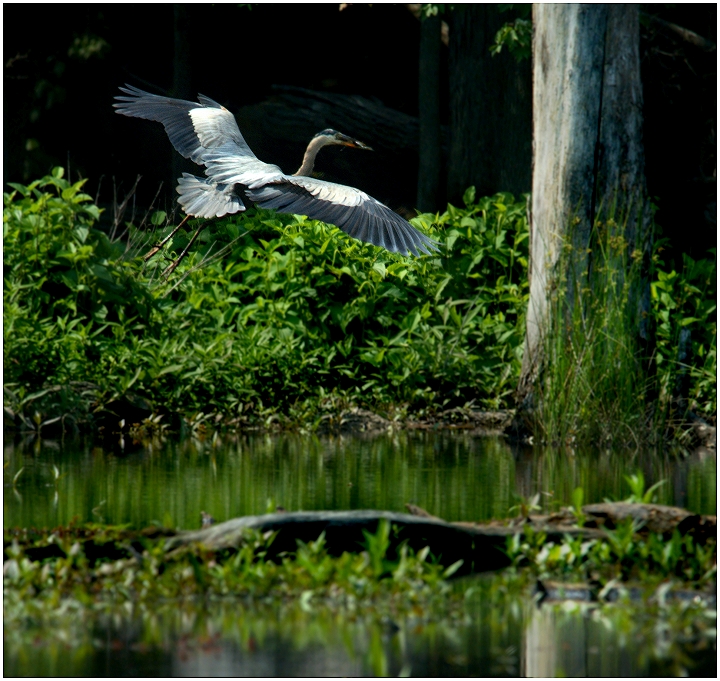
x=361, y=145
x=355, y=144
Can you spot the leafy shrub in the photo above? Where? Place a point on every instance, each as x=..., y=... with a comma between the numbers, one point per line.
x=294, y=313
x=684, y=306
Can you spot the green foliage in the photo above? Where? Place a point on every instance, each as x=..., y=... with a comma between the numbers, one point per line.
x=595, y=383
x=684, y=305
x=577, y=504
x=64, y=284
x=637, y=487
x=624, y=555
x=433, y=9
x=525, y=507
x=278, y=319
x=515, y=35
x=294, y=314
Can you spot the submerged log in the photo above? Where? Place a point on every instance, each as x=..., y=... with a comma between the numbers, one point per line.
x=481, y=546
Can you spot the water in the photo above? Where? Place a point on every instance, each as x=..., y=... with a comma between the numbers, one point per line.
x=504, y=637
x=452, y=475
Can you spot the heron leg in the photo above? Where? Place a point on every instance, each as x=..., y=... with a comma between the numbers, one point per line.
x=160, y=244
x=168, y=271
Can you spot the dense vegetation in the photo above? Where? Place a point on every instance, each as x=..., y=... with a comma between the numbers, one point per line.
x=276, y=317
x=294, y=316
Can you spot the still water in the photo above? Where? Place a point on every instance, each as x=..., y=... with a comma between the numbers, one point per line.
x=452, y=475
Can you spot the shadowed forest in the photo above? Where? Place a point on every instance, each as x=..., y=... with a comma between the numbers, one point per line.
x=63, y=66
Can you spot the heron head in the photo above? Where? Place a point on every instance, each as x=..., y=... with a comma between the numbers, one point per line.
x=331, y=136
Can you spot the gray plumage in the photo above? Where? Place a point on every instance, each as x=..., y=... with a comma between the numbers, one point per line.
x=207, y=133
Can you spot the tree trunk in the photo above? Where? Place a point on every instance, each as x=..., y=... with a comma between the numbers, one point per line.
x=490, y=108
x=588, y=153
x=430, y=152
x=182, y=68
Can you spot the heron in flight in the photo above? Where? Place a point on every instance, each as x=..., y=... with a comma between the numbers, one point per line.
x=208, y=134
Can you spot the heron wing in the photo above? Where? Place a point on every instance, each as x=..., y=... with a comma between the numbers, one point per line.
x=195, y=129
x=357, y=214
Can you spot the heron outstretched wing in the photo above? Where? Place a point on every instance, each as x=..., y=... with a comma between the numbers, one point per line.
x=357, y=214
x=195, y=129
x=199, y=131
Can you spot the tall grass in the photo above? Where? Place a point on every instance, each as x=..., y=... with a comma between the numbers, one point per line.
x=613, y=362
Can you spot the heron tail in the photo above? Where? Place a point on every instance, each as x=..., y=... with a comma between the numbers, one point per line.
x=203, y=198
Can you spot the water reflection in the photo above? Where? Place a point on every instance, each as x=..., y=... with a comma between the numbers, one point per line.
x=452, y=475
x=492, y=635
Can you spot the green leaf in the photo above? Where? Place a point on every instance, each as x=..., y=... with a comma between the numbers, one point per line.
x=452, y=569
x=469, y=196
x=159, y=217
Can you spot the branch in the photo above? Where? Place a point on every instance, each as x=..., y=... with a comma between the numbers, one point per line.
x=684, y=33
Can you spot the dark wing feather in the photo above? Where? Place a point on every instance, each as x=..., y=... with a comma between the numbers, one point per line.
x=353, y=211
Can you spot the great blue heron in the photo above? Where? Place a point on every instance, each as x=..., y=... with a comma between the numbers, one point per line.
x=207, y=134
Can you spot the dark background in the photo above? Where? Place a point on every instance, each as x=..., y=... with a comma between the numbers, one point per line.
x=63, y=64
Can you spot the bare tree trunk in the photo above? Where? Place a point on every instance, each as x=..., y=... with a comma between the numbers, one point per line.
x=428, y=191
x=490, y=108
x=588, y=153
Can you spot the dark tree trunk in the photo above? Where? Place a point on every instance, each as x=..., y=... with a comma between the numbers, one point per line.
x=430, y=151
x=182, y=68
x=588, y=152
x=490, y=108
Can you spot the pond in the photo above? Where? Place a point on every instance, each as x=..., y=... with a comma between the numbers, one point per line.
x=453, y=475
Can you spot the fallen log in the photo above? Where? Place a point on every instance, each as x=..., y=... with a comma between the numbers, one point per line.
x=481, y=546
x=649, y=518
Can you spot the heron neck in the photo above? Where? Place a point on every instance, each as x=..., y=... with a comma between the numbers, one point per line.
x=316, y=143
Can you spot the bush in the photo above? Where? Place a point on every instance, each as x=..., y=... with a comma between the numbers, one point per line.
x=294, y=313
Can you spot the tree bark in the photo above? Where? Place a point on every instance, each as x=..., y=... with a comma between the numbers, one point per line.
x=588, y=153
x=430, y=151
x=490, y=108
